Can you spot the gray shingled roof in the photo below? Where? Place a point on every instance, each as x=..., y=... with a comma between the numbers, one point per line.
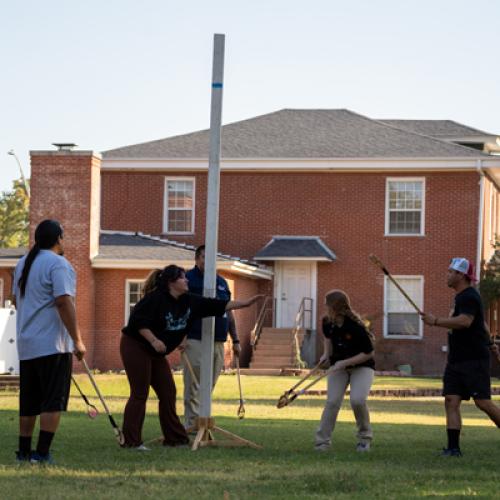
x=137, y=247
x=13, y=253
x=437, y=128
x=288, y=247
x=130, y=246
x=296, y=133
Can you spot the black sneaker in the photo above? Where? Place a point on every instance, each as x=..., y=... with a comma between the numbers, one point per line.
x=451, y=452
x=22, y=457
x=37, y=458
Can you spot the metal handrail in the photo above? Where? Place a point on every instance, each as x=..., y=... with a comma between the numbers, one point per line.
x=300, y=324
x=259, y=323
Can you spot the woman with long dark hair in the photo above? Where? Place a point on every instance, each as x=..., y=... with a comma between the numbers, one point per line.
x=47, y=332
x=157, y=325
x=348, y=348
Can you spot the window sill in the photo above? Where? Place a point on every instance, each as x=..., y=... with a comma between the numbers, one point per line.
x=404, y=235
x=403, y=337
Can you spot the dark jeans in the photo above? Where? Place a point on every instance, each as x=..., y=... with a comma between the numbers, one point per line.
x=144, y=370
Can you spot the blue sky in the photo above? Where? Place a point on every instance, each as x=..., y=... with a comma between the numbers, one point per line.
x=108, y=73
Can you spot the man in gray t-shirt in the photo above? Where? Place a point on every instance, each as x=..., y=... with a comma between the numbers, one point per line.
x=40, y=329
x=47, y=333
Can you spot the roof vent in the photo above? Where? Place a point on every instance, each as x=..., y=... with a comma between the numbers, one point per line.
x=64, y=146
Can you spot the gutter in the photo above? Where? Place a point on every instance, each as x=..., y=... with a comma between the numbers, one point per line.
x=480, y=222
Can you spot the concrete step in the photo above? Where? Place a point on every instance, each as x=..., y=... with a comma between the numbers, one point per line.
x=261, y=371
x=272, y=362
x=270, y=339
x=279, y=330
x=273, y=354
x=276, y=348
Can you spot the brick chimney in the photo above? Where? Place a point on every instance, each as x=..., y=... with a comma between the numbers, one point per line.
x=65, y=185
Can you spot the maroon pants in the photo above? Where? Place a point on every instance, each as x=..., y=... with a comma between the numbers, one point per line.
x=144, y=370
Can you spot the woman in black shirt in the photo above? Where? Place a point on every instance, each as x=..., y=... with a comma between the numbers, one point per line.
x=157, y=325
x=349, y=350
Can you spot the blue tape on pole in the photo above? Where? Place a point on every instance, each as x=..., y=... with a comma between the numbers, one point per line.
x=216, y=85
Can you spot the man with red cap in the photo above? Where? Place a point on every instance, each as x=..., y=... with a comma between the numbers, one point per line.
x=467, y=372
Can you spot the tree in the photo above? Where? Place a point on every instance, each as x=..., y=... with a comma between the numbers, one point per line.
x=14, y=215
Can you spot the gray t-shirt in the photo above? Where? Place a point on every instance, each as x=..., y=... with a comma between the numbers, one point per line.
x=40, y=330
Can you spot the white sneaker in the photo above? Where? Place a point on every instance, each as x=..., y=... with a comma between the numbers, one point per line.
x=363, y=447
x=141, y=447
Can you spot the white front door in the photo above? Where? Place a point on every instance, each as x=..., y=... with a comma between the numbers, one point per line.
x=295, y=280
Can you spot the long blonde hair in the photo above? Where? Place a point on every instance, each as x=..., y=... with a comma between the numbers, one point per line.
x=338, y=303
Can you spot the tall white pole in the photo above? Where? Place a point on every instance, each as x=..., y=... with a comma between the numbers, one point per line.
x=212, y=226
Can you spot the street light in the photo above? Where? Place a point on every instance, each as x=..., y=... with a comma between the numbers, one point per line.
x=11, y=152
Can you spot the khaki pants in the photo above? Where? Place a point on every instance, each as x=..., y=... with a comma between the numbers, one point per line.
x=193, y=353
x=360, y=379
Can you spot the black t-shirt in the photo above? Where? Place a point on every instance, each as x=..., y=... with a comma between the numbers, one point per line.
x=169, y=318
x=348, y=340
x=469, y=343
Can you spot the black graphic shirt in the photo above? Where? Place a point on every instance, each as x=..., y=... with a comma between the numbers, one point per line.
x=169, y=318
x=348, y=340
x=466, y=344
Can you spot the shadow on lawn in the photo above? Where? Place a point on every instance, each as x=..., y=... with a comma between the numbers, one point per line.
x=89, y=460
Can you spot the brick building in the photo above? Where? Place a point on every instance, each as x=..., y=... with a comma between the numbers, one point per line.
x=305, y=197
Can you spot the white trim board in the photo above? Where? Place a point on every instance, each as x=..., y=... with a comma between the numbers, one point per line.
x=234, y=267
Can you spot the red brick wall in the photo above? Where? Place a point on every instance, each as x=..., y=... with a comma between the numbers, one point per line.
x=348, y=212
x=110, y=286
x=63, y=187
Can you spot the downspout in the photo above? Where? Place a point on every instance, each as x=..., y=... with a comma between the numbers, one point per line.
x=480, y=222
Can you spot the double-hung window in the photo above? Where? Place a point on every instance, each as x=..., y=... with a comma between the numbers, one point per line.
x=405, y=199
x=178, y=217
x=401, y=321
x=133, y=293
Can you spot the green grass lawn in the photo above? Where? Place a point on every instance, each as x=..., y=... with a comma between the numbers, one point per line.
x=403, y=462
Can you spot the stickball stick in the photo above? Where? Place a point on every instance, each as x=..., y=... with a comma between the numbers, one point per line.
x=187, y=363
x=118, y=433
x=375, y=260
x=241, y=408
x=92, y=411
x=285, y=397
x=284, y=401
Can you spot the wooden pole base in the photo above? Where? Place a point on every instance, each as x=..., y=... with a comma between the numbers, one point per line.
x=206, y=436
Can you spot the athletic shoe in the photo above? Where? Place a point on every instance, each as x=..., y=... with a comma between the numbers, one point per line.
x=322, y=447
x=37, y=458
x=363, y=447
x=22, y=457
x=451, y=452
x=141, y=447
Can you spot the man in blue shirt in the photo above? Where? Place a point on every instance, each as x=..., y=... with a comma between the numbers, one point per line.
x=47, y=333
x=192, y=349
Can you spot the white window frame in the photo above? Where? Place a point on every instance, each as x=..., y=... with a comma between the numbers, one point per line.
x=1, y=292
x=419, y=303
x=387, y=219
x=128, y=282
x=165, y=204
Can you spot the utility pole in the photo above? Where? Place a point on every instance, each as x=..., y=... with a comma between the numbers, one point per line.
x=205, y=423
x=212, y=226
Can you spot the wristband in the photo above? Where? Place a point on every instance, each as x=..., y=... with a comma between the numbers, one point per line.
x=236, y=341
